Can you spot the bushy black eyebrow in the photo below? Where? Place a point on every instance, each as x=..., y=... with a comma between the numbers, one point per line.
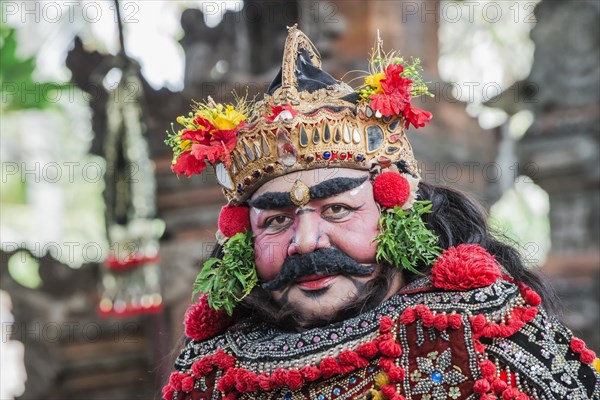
x=329, y=188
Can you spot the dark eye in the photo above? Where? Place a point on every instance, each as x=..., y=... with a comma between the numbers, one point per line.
x=278, y=222
x=336, y=211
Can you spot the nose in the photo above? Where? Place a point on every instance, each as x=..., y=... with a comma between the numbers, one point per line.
x=308, y=236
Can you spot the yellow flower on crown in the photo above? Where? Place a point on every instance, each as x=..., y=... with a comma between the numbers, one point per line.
x=222, y=117
x=375, y=82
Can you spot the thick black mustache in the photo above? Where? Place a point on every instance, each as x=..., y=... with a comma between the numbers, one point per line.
x=320, y=262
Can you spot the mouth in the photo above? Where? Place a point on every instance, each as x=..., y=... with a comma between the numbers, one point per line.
x=315, y=282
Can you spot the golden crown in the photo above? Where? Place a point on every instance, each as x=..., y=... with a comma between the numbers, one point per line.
x=307, y=121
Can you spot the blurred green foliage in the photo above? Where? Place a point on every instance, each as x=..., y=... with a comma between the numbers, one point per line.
x=19, y=90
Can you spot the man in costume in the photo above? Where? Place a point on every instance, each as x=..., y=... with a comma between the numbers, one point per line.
x=338, y=274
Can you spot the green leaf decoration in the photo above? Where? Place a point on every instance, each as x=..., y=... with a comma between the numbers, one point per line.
x=404, y=240
x=229, y=279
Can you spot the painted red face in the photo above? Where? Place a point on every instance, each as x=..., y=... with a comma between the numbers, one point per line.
x=346, y=221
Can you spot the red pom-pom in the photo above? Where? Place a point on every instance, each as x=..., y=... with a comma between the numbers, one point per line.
x=479, y=347
x=454, y=321
x=440, y=322
x=278, y=377
x=465, y=267
x=499, y=385
x=577, y=345
x=389, y=391
x=223, y=360
x=234, y=219
x=202, y=322
x=349, y=357
x=187, y=384
x=482, y=386
x=478, y=322
x=385, y=324
x=391, y=189
x=227, y=381
x=202, y=367
x=487, y=368
x=408, y=316
x=506, y=331
x=529, y=314
x=175, y=380
x=510, y=394
x=264, y=382
x=247, y=381
x=390, y=348
x=386, y=363
x=587, y=356
x=427, y=317
x=491, y=330
x=294, y=379
x=168, y=392
x=396, y=374
x=532, y=298
x=310, y=373
x=330, y=367
x=367, y=350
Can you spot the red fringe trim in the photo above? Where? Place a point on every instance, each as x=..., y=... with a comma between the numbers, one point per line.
x=239, y=380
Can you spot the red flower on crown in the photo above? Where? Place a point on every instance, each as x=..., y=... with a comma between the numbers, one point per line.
x=396, y=97
x=208, y=135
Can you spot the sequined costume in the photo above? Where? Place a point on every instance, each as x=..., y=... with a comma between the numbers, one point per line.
x=437, y=344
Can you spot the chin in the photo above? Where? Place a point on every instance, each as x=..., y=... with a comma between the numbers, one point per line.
x=320, y=305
